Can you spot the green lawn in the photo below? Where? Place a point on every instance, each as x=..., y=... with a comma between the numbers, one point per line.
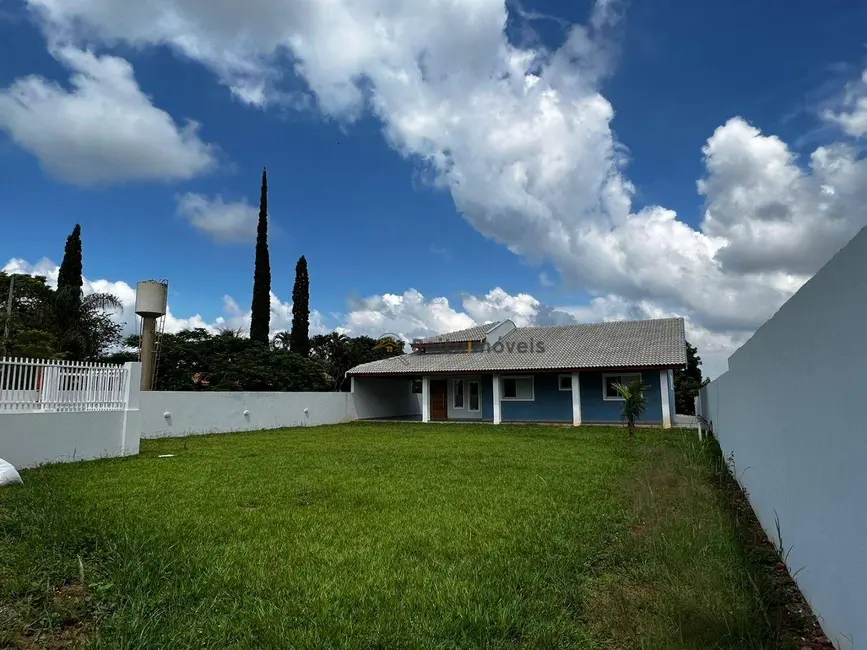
x=380, y=535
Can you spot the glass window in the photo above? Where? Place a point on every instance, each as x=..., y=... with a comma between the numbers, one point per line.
x=458, y=402
x=474, y=396
x=416, y=386
x=624, y=380
x=518, y=388
x=565, y=382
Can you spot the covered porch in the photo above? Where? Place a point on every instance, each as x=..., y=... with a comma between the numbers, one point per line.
x=573, y=398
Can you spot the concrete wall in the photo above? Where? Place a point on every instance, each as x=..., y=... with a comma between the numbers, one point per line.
x=222, y=412
x=789, y=411
x=384, y=397
x=32, y=438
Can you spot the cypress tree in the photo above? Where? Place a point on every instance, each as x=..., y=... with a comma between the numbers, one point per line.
x=69, y=279
x=260, y=318
x=299, y=339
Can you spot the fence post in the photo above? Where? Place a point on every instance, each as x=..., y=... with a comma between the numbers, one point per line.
x=131, y=432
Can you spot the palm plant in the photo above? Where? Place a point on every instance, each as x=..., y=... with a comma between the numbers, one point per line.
x=281, y=341
x=83, y=324
x=634, y=402
x=233, y=333
x=340, y=357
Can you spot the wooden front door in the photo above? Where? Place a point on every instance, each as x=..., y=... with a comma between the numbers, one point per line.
x=439, y=408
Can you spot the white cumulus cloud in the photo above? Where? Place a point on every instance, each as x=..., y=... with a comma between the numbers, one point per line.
x=852, y=115
x=103, y=130
x=224, y=222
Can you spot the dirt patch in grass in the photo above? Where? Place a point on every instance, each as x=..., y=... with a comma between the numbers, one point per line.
x=58, y=619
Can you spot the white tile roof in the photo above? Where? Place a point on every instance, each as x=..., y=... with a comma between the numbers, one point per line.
x=618, y=344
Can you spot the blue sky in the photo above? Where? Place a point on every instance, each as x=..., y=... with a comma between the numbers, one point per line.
x=427, y=185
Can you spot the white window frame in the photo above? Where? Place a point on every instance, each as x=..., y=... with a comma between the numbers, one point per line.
x=532, y=397
x=469, y=394
x=605, y=377
x=568, y=379
x=463, y=394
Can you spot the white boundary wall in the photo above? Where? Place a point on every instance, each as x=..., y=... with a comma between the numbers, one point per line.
x=790, y=411
x=168, y=413
x=71, y=429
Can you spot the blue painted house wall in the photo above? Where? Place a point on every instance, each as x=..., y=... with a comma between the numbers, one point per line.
x=550, y=404
x=596, y=409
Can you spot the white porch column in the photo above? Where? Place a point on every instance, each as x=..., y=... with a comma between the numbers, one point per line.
x=498, y=417
x=576, y=399
x=425, y=399
x=663, y=388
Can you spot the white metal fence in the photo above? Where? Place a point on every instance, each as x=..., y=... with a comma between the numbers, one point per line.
x=40, y=385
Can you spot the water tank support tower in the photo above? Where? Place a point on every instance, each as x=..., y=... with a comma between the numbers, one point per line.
x=151, y=300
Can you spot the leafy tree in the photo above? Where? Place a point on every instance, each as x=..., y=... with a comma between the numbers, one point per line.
x=688, y=382
x=339, y=353
x=634, y=402
x=260, y=319
x=300, y=341
x=70, y=278
x=196, y=360
x=333, y=352
x=88, y=330
x=83, y=328
x=120, y=357
x=46, y=323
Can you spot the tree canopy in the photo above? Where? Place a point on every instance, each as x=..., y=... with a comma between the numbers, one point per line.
x=339, y=353
x=688, y=382
x=46, y=323
x=197, y=360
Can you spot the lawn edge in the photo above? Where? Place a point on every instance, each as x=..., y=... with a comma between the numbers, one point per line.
x=792, y=620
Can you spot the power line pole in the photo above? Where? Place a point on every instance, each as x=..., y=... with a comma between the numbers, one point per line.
x=8, y=313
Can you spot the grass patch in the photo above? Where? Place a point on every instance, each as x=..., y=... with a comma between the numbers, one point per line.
x=381, y=535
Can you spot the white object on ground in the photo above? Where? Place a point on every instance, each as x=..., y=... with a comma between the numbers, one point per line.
x=166, y=456
x=8, y=474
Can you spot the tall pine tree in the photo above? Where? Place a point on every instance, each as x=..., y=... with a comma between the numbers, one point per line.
x=69, y=279
x=688, y=382
x=299, y=339
x=260, y=319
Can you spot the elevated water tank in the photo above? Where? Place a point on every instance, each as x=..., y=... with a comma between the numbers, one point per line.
x=151, y=298
x=151, y=302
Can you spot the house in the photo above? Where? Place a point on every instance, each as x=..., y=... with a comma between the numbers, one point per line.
x=502, y=373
